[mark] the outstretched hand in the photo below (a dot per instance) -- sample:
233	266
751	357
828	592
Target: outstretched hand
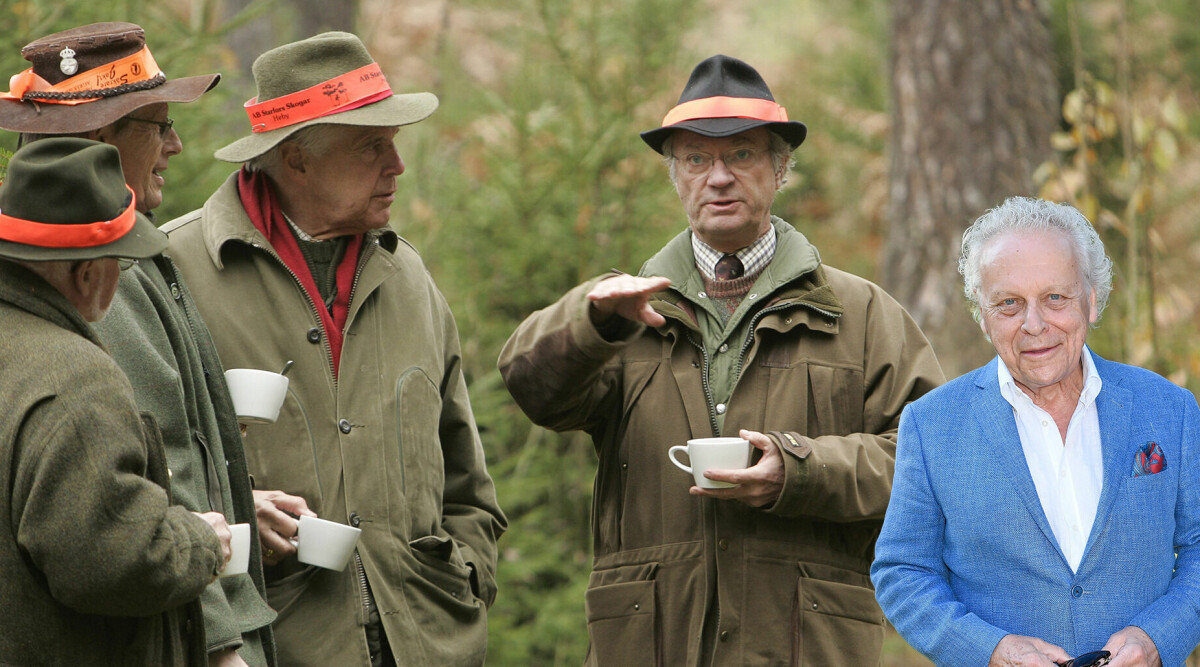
759	485
627	296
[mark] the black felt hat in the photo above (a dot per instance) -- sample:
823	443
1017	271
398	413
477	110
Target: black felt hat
65	199
723	97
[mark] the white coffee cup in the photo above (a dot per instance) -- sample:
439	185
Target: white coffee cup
326	544
257	395
239	561
712	453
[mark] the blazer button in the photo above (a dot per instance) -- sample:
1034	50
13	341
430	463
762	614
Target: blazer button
1077	592
355	519
723	544
344	426
314	335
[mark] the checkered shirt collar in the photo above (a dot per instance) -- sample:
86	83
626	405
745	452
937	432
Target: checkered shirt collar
755	257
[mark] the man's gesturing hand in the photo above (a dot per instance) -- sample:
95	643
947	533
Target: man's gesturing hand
627	296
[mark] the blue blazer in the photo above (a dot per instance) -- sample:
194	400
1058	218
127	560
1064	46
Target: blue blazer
967	556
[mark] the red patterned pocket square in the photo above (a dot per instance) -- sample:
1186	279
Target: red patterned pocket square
1149	460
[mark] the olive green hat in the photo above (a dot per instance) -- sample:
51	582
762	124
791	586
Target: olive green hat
327	79
65	199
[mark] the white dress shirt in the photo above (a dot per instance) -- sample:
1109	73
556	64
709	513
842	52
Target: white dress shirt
1068	475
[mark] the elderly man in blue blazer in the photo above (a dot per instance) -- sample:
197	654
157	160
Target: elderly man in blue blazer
1046	504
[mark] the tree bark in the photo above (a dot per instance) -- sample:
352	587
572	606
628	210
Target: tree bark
974	101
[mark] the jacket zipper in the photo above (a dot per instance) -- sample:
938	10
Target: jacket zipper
712	417
363	589
312	307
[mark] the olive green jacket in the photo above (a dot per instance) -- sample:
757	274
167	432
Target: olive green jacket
389	446
154	332
825	361
96	566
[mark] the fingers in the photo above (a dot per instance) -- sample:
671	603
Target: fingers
217	522
628	296
275	511
757	439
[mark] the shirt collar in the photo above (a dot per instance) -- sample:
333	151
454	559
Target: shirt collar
1013	393
755	257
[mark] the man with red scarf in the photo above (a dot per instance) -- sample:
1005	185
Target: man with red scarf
292	260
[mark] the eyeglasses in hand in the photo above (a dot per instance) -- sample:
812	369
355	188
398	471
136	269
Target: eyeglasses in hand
1092	659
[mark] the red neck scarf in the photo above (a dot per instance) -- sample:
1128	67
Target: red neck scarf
258	198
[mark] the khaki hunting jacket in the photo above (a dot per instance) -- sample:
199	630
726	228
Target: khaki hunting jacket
828	361
96	565
390	446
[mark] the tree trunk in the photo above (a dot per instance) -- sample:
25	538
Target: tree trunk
974	100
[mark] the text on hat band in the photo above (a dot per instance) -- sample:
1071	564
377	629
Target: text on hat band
86	86
727	107
89	235
351	90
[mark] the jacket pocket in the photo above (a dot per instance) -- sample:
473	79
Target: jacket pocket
837	623
422	466
621	621
452	622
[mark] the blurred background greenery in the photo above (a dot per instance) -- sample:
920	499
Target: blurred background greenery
531	178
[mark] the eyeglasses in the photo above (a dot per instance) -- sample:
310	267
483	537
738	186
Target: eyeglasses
124	263
738	159
1092	659
164	126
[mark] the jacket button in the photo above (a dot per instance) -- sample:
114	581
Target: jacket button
344	425
175	291
355	519
720	408
724	347
724	635
723	544
314	335
1077	592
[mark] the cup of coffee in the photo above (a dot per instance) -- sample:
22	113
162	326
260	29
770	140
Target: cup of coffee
712	453
257	395
239	561
326	544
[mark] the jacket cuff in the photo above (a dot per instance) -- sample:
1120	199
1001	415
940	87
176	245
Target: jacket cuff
793	449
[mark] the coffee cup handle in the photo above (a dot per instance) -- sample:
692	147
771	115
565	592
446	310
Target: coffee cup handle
671	455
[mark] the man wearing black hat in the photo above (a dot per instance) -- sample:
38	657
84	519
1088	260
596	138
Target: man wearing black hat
96	565
734	328
101	82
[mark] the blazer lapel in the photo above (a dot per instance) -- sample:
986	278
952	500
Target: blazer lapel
1114	407
998	425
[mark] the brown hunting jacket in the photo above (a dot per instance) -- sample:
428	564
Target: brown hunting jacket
828	360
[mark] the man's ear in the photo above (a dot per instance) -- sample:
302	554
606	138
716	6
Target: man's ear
292	157
83	276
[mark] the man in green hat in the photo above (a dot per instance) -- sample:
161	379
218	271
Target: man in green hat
736	328
292	259
101	82
97	566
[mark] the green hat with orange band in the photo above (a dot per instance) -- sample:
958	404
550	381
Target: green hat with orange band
327	79
65	199
723	97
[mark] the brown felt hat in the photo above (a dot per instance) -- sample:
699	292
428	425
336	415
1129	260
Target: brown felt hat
99	62
295	78
65	199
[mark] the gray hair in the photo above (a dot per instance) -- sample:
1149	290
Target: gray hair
316	140
1027	214
781	154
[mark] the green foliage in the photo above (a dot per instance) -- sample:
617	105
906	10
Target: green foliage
518	191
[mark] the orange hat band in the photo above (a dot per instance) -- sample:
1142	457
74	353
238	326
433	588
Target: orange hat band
727	107
351	90
86	86
90	235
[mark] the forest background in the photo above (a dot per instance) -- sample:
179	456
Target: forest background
530	178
